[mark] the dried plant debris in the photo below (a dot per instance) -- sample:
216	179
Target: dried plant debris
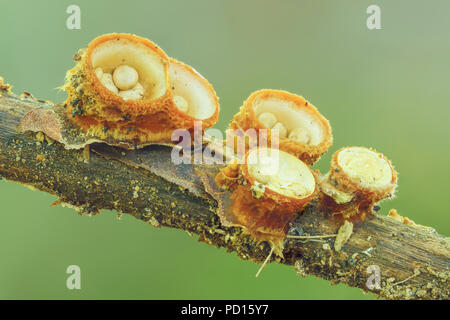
344	233
54	124
4	87
52	121
154	158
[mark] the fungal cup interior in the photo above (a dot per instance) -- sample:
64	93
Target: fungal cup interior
292	117
192	87
149	65
280	172
366	166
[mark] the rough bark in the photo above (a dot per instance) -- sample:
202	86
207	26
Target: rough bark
413	261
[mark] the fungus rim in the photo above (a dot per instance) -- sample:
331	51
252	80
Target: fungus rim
291	102
202	83
275	192
113	98
246	119
353	183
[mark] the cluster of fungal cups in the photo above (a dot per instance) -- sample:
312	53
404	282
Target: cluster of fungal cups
273	185
125	87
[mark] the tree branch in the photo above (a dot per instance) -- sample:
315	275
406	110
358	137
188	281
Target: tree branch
413	261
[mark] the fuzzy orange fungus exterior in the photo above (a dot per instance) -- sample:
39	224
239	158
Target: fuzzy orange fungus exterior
303	131
358	178
121	88
268	191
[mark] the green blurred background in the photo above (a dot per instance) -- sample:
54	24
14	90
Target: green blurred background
387	89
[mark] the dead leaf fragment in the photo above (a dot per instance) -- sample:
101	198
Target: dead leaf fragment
344	233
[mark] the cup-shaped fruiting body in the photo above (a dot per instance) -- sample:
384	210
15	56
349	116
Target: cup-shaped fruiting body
359	176
119	84
121	88
268	191
302	130
194	98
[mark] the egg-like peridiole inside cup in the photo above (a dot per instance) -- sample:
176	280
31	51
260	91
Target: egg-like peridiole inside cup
124	53
293	117
302	130
119	90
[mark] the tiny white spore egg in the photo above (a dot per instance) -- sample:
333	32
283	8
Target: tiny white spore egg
107	81
268	119
181	103
125	77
